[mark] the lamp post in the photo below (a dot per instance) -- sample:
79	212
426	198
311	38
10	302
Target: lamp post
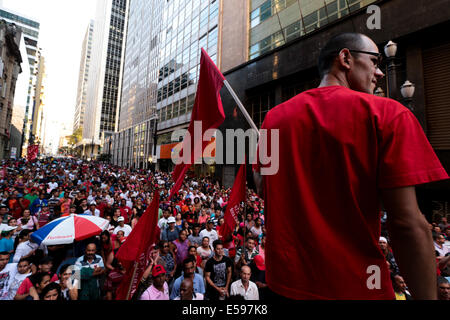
390	50
407	91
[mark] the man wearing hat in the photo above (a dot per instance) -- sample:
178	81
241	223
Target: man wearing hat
6	242
171	232
393	267
159	290
210	233
93	211
122	227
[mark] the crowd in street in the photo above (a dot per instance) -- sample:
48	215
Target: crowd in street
191	260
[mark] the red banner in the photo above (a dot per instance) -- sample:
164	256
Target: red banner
208	109
134	254
32	152
238	195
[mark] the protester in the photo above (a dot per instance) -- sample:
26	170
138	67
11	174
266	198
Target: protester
7	273
244	286
317	206
23	272
122	227
187	291
91	267
69	289
188	272
443	289
159	290
171	232
218	272
209	232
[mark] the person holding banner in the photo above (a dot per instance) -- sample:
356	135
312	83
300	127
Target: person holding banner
343	151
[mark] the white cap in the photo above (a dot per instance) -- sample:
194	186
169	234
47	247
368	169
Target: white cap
171	220
383	239
120	219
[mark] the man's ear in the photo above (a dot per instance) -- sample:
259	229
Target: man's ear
344	58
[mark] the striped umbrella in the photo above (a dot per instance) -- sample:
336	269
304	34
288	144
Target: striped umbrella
68	229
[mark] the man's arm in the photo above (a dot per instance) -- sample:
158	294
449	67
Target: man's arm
411	241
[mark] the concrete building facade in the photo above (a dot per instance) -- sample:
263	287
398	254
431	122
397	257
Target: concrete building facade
10	61
30	28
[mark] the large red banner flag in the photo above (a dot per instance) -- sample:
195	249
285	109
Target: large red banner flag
134	254
238	195
208	110
32	152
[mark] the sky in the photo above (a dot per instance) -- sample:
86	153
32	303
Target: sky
63	24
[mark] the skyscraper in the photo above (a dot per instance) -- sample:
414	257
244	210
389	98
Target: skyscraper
161	69
104	74
86	52
30	28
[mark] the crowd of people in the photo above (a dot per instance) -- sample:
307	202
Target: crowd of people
191	260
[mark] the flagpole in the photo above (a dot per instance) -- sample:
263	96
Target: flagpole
241	107
132	280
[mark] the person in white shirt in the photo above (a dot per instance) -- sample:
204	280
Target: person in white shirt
24	249
122	227
8	272
92	210
209	232
244	286
163	222
52	185
439	245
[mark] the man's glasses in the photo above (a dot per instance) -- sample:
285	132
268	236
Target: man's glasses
376	54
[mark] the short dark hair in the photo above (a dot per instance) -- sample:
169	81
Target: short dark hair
441	280
63	269
331	49
51	286
4	253
216	243
189	259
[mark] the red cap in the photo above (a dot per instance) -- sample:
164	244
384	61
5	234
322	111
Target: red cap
157	270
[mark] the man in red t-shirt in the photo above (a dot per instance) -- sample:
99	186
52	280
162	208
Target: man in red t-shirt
342	151
125	211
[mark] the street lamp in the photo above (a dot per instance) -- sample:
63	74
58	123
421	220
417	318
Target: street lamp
407	91
390	50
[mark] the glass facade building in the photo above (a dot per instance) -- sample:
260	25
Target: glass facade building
276	22
86	53
104	73
160	75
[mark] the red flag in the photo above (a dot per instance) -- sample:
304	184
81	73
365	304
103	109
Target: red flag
134	253
32	152
236	197
208	109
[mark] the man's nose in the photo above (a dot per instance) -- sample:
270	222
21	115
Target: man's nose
379	74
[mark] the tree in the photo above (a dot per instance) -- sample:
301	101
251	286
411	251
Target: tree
76	137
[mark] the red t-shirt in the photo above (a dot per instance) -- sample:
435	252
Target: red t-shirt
125	212
337	148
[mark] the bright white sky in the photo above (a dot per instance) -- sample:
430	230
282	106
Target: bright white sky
63	25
